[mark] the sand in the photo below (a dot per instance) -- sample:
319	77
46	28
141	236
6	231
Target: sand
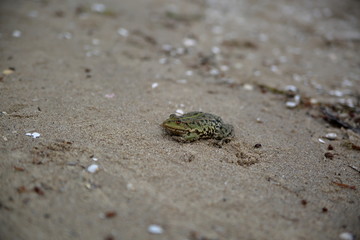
96	80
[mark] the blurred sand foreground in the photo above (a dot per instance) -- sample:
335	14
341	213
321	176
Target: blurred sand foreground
84	86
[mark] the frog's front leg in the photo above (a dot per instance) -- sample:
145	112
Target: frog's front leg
188	137
191	136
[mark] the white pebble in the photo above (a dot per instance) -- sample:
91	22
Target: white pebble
314	101
215	50
291	104
214	71
179	112
274	68
33	135
189	42
16	33
321	140
331	136
336	93
123	32
155	229
291	88
347	236
347	83
189	73
154	85
297	99
98	7
93	168
248	87
94	159
130	186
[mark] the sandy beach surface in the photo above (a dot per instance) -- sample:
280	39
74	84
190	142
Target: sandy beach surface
85	85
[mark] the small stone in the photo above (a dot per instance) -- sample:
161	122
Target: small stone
347	236
123	32
214	71
16	33
321	140
274	68
93	168
331	136
189	73
163	60
154	85
258	145
215	50
329	155
179	112
248	87
33	135
8	71
130	186
189	42
291	88
314	101
336	93
98	7
155	229
291	104
110	95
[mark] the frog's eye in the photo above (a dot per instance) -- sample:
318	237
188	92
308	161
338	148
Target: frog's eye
178	122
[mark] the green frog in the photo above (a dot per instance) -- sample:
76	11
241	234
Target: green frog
196	125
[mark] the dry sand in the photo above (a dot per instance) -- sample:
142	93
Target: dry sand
97	83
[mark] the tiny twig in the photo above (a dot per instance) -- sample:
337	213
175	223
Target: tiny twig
344	185
354	168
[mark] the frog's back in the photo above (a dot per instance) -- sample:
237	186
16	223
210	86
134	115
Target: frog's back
206	124
201	116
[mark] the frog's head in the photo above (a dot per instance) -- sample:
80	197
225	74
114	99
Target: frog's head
176	125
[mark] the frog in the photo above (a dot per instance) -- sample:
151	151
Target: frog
193	126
